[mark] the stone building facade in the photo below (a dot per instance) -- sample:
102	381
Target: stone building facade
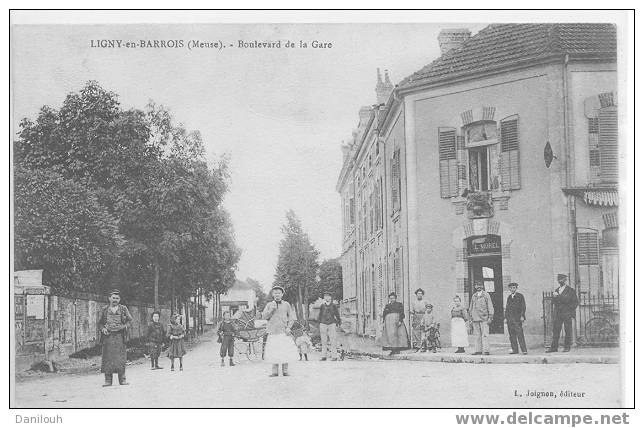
499	162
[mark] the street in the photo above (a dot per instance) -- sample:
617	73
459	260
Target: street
349	383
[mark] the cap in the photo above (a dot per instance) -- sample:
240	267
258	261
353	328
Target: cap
561	276
392	294
420	290
115	291
277	287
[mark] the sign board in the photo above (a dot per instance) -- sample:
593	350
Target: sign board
488	244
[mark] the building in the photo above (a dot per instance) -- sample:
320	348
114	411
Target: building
497	162
240	296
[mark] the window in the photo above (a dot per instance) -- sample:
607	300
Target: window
395	181
482	155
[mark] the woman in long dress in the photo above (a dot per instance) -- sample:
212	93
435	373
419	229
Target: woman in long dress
417	312
394	332
459	329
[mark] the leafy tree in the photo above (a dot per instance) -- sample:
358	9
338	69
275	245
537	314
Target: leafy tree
61	227
329	280
261	295
297	264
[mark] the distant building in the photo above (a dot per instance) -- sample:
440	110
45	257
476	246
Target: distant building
240	296
497	162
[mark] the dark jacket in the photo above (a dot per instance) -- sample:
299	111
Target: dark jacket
156	332
515	307
396	308
226	329
329	314
565	304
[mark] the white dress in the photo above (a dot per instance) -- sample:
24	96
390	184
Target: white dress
280	347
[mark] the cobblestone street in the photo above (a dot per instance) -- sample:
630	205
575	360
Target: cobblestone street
349	383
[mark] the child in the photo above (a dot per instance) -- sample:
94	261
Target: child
176	333
428	326
459	329
226	333
156	337
304	345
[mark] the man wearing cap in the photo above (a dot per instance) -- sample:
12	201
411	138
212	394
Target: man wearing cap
280	347
482	313
114	322
565	302
329	319
514	317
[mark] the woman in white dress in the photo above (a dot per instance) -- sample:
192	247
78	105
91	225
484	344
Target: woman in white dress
280	347
459	329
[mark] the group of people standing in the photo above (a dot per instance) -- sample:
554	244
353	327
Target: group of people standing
476	318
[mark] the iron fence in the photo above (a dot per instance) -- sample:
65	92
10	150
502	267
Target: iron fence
597	320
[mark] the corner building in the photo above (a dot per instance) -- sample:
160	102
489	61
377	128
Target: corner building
497	162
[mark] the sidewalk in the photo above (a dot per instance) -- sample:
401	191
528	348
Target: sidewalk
499	354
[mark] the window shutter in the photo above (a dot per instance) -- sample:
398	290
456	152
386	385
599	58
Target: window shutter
608	147
448	165
509	159
588	248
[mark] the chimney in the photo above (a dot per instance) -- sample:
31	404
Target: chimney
346	149
364	114
383	89
452	38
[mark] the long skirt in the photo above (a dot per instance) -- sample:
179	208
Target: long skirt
459	333
114	353
280	349
394	337
416	330
176	348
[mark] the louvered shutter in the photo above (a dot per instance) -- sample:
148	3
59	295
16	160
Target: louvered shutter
608	146
448	165
395	180
509	160
588	248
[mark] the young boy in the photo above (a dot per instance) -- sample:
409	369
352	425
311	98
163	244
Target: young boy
304	345
226	333
429	329
156	337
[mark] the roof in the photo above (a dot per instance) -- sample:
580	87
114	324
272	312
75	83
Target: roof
500	46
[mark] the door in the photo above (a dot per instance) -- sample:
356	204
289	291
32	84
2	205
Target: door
488	270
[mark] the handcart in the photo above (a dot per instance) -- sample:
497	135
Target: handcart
251	336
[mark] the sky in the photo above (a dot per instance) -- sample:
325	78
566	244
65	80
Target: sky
281	114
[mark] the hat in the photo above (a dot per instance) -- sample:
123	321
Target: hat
277	287
392	294
115	291
429	305
420	290
513	284
561	276
327	293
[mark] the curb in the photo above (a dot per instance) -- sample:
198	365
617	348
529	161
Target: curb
497	359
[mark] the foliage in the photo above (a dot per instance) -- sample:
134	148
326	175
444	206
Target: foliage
297	263
329	279
146	183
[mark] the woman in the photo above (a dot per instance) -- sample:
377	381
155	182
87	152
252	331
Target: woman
176	333
417	312
394	332
459	329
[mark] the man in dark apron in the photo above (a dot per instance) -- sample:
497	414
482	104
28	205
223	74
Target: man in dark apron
114	323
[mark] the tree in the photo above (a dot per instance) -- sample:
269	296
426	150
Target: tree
297	264
61	227
330	280
260	294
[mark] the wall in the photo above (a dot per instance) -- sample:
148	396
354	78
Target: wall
539	249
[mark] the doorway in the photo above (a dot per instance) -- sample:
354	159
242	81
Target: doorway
484	262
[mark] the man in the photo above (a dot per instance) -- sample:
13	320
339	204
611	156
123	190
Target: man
417	312
514	317
329	319
114	321
280	347
565	302
482	313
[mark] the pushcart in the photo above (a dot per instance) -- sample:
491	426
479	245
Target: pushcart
250	335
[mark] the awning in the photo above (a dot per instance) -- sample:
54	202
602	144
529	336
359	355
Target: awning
608	197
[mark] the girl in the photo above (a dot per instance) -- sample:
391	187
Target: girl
304	345
156	336
176	333
459	330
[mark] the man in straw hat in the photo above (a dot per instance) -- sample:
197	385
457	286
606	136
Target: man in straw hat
114	322
280	347
565	302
